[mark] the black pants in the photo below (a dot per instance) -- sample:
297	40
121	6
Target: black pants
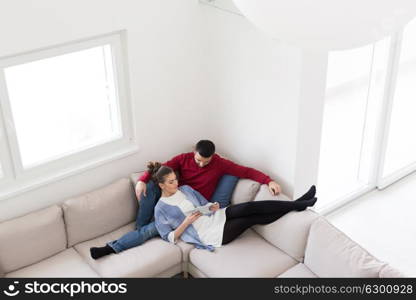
242	216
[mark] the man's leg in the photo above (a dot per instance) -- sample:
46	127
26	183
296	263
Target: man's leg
147	204
134	238
224	190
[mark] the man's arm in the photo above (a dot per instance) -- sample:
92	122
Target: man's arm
234	169
174	163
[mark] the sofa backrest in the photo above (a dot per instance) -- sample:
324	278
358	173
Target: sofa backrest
135	176
330	253
100	211
31	238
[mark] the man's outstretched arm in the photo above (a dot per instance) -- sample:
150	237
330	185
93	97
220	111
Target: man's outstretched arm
234	169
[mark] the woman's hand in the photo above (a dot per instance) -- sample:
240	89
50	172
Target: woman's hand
214	207
192	218
188	221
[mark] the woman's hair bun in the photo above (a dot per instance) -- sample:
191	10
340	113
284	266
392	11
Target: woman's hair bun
158	172
153	167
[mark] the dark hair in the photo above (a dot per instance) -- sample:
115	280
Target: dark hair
158	172
205	148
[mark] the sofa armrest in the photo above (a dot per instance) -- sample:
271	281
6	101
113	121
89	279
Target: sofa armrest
331	253
389	272
290	232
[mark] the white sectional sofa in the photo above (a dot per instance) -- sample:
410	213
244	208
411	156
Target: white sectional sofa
55	242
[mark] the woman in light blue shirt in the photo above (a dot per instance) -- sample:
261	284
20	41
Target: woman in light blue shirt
184	213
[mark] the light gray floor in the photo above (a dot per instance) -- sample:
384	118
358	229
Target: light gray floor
384	223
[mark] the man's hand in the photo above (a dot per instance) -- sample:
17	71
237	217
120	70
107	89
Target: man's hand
140	188
214	207
274	188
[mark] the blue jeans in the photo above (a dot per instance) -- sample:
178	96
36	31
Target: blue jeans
145	229
224	190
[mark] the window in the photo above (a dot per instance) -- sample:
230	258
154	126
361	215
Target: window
354	91
367	137
401	146
65	107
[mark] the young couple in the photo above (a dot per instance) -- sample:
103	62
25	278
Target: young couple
172	202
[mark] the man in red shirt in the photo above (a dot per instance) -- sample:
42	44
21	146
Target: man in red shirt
203	170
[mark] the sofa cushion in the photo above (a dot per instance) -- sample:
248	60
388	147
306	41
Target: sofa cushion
65	264
31	238
247	256
100	211
330	253
245	191
289	233
134	177
148	260
186	249
298	271
264	194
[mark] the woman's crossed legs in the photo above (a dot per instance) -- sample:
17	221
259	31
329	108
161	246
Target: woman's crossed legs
244	215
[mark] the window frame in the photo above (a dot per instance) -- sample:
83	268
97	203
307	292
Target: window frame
18	179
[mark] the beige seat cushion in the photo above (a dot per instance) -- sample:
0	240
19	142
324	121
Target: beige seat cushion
330	253
245	191
64	264
148	260
298	271
186	249
31	238
99	212
247	256
289	233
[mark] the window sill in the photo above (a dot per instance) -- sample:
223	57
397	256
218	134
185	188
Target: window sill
18	189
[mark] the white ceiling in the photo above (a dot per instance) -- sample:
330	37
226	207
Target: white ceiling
227	5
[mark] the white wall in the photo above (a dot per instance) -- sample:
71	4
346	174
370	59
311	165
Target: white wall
195	72
256	83
166	60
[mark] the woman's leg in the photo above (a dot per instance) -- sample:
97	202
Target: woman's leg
268	207
234	227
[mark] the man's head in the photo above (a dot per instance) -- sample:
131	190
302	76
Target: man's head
204	150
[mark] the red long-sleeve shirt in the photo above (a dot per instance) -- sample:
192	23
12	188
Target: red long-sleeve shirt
205	179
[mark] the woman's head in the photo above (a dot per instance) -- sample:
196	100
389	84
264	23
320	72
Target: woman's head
164	176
